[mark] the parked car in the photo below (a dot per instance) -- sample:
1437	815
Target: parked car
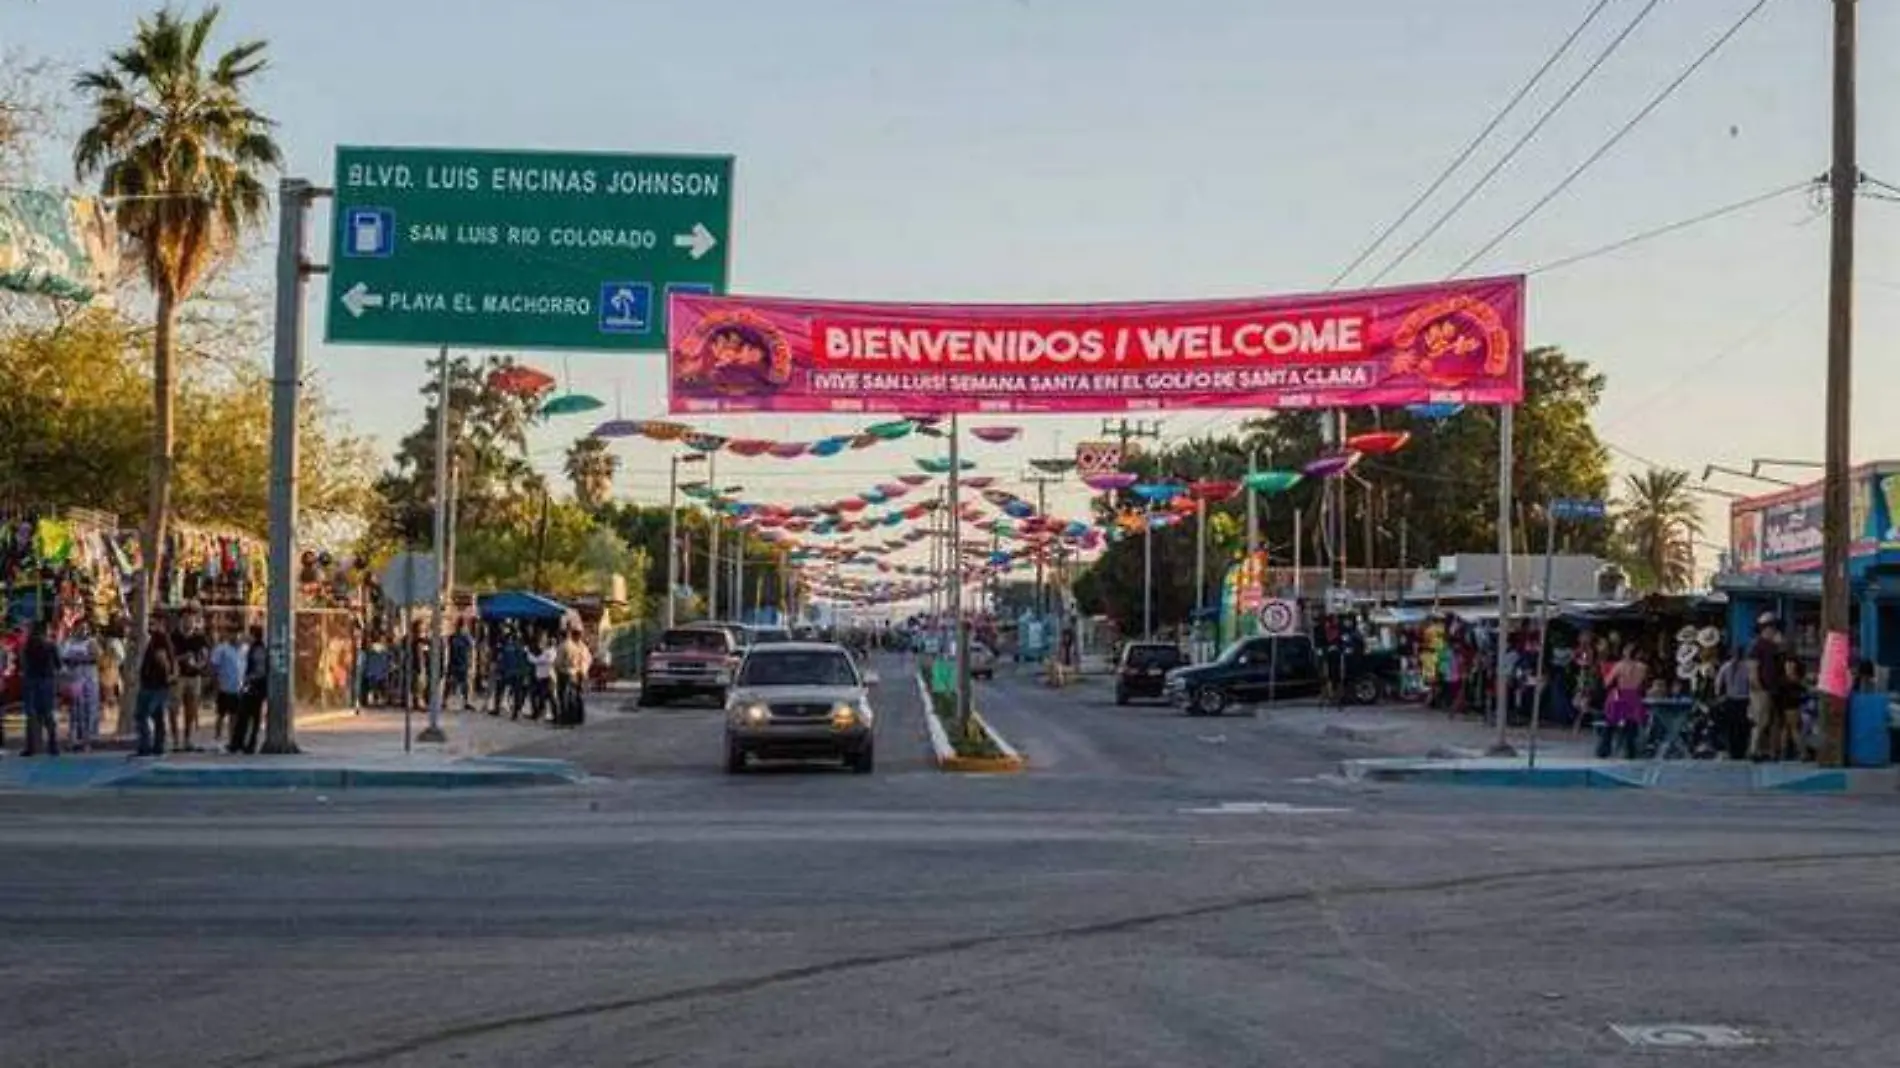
800	700
1143	670
1282	668
982	659
689	661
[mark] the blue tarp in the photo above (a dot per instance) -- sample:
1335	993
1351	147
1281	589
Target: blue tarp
519	604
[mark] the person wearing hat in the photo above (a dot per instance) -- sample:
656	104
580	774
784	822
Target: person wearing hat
1765	679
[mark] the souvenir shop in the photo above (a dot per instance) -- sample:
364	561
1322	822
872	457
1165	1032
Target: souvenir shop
64	565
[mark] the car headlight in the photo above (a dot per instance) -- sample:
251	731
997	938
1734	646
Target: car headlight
845	715
752	713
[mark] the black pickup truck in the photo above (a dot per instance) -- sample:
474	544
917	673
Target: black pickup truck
1255	670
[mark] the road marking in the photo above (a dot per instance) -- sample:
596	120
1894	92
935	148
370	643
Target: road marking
1685	1036
1263	808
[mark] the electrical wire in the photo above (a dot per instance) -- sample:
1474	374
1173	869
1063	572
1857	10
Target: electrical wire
1661	231
1471	146
1524	139
1603	149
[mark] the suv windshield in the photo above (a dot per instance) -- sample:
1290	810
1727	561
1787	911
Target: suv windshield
693	641
768	635
801	667
1149	656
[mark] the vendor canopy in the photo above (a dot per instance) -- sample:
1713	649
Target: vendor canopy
1454	343
519	605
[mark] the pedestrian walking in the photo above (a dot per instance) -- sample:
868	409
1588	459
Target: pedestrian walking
1624	712
1765	678
256	690
227	672
39	690
80	654
541	656
192	652
1731	712
461	667
571	663
517	675
158	673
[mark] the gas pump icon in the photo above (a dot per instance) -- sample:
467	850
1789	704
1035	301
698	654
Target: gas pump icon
371	233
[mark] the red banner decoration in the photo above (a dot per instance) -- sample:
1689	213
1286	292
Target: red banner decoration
1454	343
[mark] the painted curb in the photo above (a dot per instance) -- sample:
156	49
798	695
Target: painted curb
1672	776
472	773
945	755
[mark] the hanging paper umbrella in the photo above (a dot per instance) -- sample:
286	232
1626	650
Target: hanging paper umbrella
1378	442
805	511
1433	411
933	465
617	428
749	447
995	435
699	491
829	446
1183	505
1331	466
570	404
1019	509
978	482
1158	491
915	511
891	519
1053	467
1212	489
659	430
893	489
891	431
1110	481
913	480
699	442
874	496
1272	481
865	441
789	450
1076	529
519	380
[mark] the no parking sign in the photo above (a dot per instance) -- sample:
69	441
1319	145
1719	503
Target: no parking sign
1279	616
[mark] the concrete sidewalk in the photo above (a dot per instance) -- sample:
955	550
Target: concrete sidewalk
1412	730
339	750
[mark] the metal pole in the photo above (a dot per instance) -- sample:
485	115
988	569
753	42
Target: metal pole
1843	183
438	684
1042	509
1148	572
1253	518
1543	627
672	540
402	647
955	571
293	201
1501	685
1200	564
1299	537
712	539
738	572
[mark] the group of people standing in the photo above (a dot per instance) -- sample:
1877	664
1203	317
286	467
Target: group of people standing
182	667
545	675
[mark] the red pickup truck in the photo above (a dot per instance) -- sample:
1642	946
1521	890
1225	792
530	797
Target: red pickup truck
689	661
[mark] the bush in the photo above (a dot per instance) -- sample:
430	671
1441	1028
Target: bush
973	741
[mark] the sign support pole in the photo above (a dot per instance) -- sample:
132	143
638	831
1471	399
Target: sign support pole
280	631
712	538
1500	684
438	682
954	571
1543	628
1148	572
672	539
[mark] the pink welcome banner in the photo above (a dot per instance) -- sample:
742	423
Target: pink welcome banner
1456	343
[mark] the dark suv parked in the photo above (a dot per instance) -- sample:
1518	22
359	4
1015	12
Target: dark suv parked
1143	671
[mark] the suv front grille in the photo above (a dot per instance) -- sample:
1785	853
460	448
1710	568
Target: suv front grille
802	710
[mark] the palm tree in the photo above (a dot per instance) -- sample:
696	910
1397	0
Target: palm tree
1657	524
591	468
173	142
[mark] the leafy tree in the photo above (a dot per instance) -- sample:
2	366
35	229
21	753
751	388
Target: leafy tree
591	467
1657	523
172	135
496	486
74	399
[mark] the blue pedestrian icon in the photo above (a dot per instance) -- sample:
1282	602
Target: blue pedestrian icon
626	307
369	233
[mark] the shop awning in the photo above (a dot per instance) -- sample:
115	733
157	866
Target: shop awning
519	604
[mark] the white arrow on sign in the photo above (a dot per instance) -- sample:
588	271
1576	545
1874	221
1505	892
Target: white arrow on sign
698	242
358	299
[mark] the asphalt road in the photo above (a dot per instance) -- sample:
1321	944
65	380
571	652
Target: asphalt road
1159	891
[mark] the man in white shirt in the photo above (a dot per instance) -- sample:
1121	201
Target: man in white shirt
227	670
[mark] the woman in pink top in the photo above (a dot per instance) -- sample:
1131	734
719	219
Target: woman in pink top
1623	710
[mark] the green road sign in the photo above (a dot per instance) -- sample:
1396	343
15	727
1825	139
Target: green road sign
522	250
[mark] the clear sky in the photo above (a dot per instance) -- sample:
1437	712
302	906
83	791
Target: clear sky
1051	150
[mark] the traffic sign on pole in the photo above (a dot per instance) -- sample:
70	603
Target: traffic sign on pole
1578	509
522	250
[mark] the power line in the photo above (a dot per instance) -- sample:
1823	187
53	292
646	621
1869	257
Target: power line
1603	149
1510	154
1472	146
1660	231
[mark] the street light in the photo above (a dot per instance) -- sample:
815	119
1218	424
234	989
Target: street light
672	531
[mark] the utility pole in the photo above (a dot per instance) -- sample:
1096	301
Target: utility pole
1843	180
712	538
672	538
1124	432
955	572
1042	482
438	682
